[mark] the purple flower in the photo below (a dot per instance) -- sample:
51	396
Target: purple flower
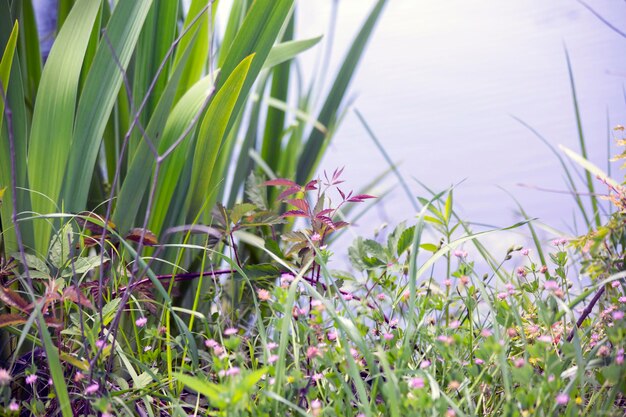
13	406
272	359
618	315
551	285
460	254
416	383
31	379
425	364
525	251
141	322
479	361
562	398
231	331
92	389
388	336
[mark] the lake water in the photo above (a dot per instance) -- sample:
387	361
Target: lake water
440	81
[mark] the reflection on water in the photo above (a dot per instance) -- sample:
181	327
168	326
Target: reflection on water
440	82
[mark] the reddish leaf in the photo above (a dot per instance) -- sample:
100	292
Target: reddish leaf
289	191
311	185
93	222
359	198
11	320
281	182
149	238
295	213
13	299
324	212
77	297
327	221
343	196
300	203
339	225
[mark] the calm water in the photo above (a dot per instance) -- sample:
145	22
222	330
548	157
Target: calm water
438	85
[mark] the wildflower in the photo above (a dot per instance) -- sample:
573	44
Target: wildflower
618	315
445	339
14	406
263	294
454	385
218	350
231	331
551	285
562	398
619	358
604	351
543	269
519	362
347	296
464	279
615	284
450	413
286	280
521	271
416	383
92	389
393	323
381	297
272	359
140	322
31	379
447	283
479	361
106	414
511	332
272	345
316	407
525	251
210	343
406	295
622	300
388	336
229	372
510	288
502	295
485	333
460	254
79	376
317	376
147	348
5	377
455	324
318	305
551	378
100	343
544	338
425	364
312	352
315	237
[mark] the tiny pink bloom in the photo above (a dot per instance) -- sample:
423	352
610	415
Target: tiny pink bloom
31	379
272	345
388	336
348	296
562	399
618	315
455	324
13	406
622	299
521	271
105	414
525	251
450	413
416	383
393	323
312	352
461	254
272	359
464	279
92	389
445	339
231	331
551	285
332	335
619	358
519	362
210	343
140	322
381	297
615	284
545	338
485	333
447	283
316	404
317	376
503	295
316	237
5	377
479	361
425	364
551	378
100	343
543	269
263	294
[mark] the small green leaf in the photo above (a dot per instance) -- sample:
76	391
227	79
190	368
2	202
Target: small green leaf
406	239
213	392
60	246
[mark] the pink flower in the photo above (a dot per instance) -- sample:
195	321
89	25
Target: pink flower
622	299
229	372
13	406
312	352
210	343
543	269
445	339
447	283
231	331
31	379
263	294
347	296
425	364
545	339
525	251
479	361
381	297
100	343
615	284
464	279
140	322
92	389
272	345
619	358
519	362
618	315
416	383
503	295
485	333
551	285
315	237
455	324
521	271
562	398
332	335
460	254
388	336
5	377
272	359
316	404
